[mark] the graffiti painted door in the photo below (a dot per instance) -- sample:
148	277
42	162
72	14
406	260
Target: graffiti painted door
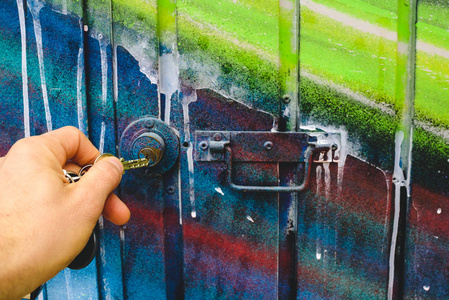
292	131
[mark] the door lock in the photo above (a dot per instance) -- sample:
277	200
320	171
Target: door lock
152	139
149	145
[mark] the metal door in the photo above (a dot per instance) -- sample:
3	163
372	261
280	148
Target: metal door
256	98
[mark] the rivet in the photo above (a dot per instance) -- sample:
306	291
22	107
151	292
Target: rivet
170	189
150	124
204	145
217	137
268	145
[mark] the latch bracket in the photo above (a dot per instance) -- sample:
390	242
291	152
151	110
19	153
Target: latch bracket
261	146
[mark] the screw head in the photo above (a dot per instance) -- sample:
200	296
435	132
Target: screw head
149	124
217	137
170	189
204	145
286	99
268	145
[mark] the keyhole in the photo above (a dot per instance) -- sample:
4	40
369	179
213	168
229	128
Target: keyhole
152	154
151	146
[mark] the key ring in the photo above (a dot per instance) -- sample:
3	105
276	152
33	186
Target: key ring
71	176
84	170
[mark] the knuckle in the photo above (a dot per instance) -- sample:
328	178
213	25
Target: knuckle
71	129
26	146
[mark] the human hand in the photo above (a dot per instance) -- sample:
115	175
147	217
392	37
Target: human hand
45	220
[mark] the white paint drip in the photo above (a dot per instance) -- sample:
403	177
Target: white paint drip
104	87
114	74
286	112
191	180
102	136
26	103
399	181
35	7
169	79
103	260
122	233
79	87
318	255
319	180
250	219
219	190
64	7
327	179
186	100
342	152
68	281
104	71
180	196
291	228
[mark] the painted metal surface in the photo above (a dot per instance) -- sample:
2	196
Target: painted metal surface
370	224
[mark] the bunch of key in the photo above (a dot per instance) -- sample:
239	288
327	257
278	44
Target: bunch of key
127	165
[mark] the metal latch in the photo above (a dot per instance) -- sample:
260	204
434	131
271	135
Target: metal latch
257	146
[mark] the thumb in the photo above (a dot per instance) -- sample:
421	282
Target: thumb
101	179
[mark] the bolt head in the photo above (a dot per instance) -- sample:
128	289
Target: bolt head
204	145
149	124
286	99
268	145
170	190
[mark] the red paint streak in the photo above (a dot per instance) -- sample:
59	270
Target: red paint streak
256	254
366	190
145	217
430	212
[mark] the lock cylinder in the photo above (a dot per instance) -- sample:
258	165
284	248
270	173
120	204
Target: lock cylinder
149	145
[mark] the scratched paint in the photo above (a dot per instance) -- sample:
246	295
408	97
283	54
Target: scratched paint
224	68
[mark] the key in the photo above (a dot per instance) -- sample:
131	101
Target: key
134	164
150	159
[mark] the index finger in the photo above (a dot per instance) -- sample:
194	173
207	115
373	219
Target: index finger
69	143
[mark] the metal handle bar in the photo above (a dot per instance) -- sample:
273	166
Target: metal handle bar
275	189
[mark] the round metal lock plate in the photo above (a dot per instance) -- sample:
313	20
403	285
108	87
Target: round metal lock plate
150	136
